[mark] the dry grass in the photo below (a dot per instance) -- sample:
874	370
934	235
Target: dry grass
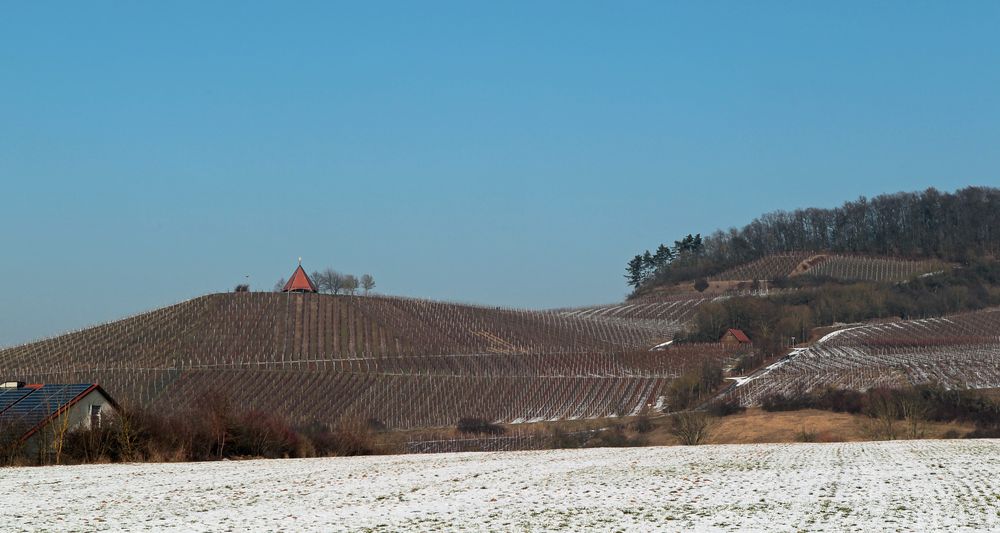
759	426
752	426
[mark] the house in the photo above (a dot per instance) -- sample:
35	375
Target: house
299	282
734	337
37	416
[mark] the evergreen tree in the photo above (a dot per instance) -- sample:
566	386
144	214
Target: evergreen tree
634	271
648	265
663	256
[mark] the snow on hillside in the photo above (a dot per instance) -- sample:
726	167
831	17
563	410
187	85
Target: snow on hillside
880	486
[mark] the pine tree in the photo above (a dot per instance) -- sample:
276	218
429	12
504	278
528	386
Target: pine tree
663	256
634	271
648	265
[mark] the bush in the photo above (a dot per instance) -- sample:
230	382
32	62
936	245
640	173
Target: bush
983	433
560	439
690	427
727	407
780	402
479	426
613	437
694	385
951	434
840	401
12	451
642	424
804	435
348	438
260	434
700	284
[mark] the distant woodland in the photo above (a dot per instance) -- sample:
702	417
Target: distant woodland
958	227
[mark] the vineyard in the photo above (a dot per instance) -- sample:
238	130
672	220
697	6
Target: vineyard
837	266
858	268
765	268
957	351
662	316
404	363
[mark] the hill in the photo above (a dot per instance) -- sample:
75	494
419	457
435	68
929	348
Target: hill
392	362
921	226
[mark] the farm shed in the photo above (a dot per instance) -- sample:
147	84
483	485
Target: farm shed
37	416
735	337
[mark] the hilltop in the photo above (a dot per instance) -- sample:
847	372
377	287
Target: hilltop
886	238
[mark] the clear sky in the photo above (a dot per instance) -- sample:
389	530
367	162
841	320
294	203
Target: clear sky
493	152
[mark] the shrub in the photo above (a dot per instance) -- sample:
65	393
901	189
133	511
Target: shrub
260	434
479	426
560	439
780	402
727	407
840	401
690	387
690	427
804	435
951	434
642	424
349	438
613	437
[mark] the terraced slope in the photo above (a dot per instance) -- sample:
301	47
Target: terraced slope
857	268
406	363
765	268
837	266
657	317
956	351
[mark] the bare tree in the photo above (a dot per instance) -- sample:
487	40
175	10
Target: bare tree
334	280
884	410
367	283
350	284
915	412
691	427
280	285
328	281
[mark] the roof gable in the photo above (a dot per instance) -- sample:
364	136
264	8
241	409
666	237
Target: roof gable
299	282
30	407
739	335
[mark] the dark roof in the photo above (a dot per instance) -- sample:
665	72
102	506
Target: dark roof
30	407
299	282
740	336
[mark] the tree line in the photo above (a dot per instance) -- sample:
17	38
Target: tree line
644	266
955	226
330	281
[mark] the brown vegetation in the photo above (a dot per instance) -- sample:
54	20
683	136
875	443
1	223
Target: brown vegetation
402	362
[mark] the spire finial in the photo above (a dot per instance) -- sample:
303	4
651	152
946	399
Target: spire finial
300	261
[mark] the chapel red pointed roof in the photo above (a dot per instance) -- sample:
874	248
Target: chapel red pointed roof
299	282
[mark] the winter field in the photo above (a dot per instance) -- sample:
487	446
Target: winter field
875	486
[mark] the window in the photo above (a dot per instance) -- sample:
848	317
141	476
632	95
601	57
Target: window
95	416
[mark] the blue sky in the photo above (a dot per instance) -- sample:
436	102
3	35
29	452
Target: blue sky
500	153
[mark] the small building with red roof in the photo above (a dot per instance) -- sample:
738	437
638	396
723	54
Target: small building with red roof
299	282
735	336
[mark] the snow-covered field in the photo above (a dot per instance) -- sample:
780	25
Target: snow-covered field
882	486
